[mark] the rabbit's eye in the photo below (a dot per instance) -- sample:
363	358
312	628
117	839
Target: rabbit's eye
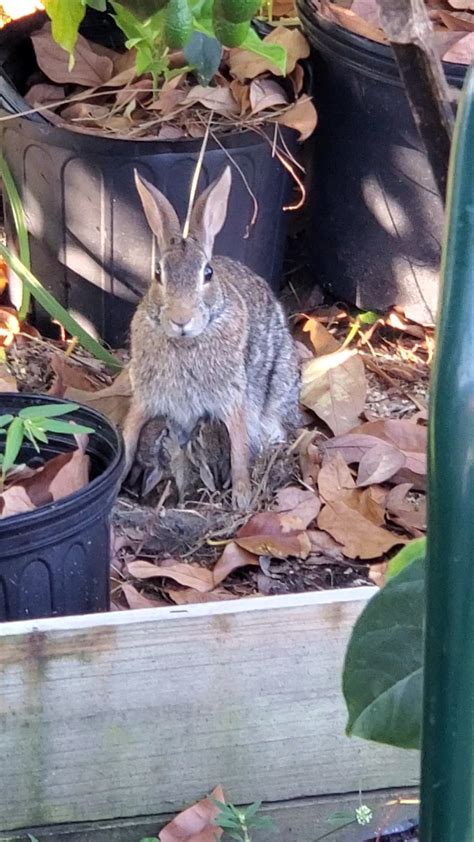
208	273
158	274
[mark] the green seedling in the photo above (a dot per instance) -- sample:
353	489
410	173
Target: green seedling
34	423
239	822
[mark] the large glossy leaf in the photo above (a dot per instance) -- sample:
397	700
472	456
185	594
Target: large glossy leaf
382	680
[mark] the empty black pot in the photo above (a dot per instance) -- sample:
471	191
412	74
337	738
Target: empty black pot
90	243
375	218
55	560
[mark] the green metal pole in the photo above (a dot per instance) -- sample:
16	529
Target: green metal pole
447	788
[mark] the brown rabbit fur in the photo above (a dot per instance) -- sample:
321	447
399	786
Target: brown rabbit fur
209	339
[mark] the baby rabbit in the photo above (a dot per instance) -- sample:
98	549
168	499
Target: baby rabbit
209	339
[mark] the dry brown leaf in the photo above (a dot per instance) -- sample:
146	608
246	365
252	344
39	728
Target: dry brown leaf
185	574
190	596
410	438
85	111
379	464
62	475
378	573
273	534
334	385
299	502
170	132
7	380
113	401
15	501
353	22
466	5
231	559
219	100
168	102
323	544
69	374
352	447
9	325
44	94
308	456
241	94
90	69
246	65
196	824
335	479
462	52
135	599
409	514
302	116
66	478
264	94
358	537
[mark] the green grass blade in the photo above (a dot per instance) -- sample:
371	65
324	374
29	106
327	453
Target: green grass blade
57	311
69	428
21	230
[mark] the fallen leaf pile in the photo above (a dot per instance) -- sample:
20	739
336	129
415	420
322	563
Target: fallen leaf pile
103	95
329	508
452	21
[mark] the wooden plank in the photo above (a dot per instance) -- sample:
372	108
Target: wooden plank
299	820
135	713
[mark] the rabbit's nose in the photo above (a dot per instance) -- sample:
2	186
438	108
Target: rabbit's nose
180	324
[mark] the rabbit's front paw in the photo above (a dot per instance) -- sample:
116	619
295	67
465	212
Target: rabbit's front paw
241	495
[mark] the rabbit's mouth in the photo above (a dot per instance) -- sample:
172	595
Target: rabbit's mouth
184	329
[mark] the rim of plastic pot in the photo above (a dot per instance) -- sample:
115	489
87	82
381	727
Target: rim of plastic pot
353	48
95	488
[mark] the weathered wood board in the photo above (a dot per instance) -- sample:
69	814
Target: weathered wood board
298	820
136	713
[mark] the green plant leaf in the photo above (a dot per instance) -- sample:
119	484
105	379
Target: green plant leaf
142	9
66	15
204	54
36	431
13	444
382	678
69	428
57	311
53	410
368	318
414	550
98	5
21	230
5	419
272	52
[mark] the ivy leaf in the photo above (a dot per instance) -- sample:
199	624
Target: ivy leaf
382	678
204	54
66	15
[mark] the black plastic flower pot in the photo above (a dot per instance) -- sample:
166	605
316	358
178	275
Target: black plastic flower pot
55	560
374	215
90	243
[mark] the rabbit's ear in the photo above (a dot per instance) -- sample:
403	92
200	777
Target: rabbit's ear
210	211
160	213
